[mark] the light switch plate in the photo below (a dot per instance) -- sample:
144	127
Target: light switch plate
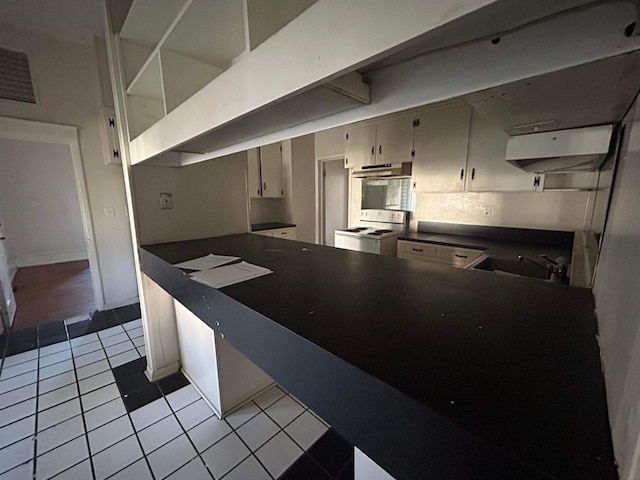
166	201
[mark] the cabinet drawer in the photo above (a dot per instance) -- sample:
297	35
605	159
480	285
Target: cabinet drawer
456	256
266	233
417	250
289	232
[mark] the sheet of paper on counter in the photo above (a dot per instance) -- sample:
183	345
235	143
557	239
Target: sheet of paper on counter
229	274
206	262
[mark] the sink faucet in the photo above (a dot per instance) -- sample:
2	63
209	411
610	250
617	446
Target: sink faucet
557	268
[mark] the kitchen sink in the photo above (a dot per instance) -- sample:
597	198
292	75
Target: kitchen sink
513	267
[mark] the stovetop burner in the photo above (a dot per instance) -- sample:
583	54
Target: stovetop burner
380	232
356	229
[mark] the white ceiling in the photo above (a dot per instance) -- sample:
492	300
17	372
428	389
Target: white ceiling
592	94
72	20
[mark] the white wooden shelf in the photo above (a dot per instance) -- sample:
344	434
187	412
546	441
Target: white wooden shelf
148	20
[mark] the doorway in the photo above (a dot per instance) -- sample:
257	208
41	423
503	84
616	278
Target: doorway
334	201
49	251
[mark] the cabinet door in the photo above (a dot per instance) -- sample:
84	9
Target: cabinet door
440	143
394	140
359	146
271	169
488	171
253	165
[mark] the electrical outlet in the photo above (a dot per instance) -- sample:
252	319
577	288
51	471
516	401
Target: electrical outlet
166	201
487	211
109	212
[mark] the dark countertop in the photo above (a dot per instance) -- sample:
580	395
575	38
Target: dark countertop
257	227
492	247
432	371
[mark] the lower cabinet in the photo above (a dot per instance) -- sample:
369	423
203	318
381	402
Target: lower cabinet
224	377
458	257
287	233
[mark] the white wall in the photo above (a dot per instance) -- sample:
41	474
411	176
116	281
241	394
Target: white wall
68	90
209	200
40	203
618	306
540	210
303	168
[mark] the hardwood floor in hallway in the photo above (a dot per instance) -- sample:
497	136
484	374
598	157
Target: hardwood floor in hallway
48	293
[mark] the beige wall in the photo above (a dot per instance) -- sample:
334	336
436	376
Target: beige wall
209	200
618	306
540	210
69	92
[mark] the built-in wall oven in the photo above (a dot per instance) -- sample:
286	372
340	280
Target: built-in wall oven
377	232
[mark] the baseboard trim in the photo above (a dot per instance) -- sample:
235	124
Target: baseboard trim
50	258
157	374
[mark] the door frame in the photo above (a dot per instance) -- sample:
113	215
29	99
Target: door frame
320	224
32	131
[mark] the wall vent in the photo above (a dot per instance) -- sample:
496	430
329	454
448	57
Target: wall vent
15	77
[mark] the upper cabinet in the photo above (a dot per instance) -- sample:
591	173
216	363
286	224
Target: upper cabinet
386	141
265	171
360	146
487	169
271	170
441	140
457	150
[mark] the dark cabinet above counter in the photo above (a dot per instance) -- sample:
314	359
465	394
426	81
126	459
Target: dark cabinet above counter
473	376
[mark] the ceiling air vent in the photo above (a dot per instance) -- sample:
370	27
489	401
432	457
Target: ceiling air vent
15	77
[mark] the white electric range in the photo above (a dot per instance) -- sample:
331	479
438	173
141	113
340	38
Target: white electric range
377	232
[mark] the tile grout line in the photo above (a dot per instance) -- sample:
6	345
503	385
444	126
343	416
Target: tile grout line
186	434
35	433
128	414
84	422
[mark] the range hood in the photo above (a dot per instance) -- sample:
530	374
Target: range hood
384	170
573	150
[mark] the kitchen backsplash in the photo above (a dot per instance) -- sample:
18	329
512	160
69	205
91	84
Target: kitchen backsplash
540	210
267	210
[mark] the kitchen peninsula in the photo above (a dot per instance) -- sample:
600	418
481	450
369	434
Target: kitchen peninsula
431	371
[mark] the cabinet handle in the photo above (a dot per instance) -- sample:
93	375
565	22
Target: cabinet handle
373	150
380	150
346	161
460	256
264	187
461	174
473	173
416	249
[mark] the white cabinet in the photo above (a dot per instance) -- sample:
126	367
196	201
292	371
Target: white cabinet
288	233
458	257
387	141
271	170
441	138
487	169
457	151
253	167
360	146
265	171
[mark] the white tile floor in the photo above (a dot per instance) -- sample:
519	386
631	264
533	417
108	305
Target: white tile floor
61	416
